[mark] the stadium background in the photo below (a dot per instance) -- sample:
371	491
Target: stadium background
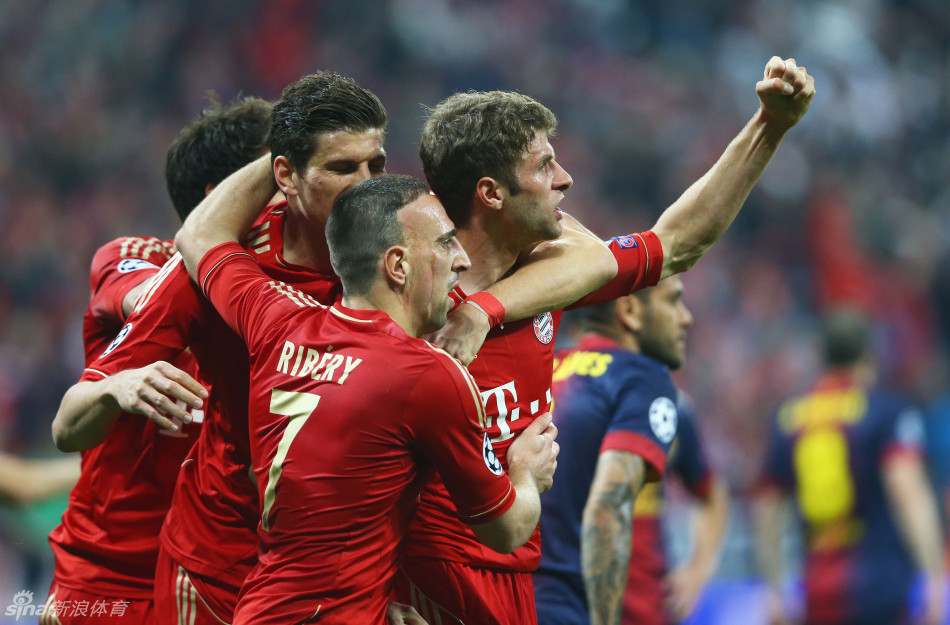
853	209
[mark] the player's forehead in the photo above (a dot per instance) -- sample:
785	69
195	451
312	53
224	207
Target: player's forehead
351	145
670	289
539	147
425	218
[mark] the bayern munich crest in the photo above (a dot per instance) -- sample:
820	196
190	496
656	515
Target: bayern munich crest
544	327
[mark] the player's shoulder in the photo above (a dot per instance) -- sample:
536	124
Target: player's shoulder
147	249
441	370
171	289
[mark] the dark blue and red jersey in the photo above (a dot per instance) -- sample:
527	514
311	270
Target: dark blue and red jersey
646	591
605	397
828	449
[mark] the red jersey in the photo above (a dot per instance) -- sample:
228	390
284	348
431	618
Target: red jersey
513	371
211	523
338	490
117	267
107	541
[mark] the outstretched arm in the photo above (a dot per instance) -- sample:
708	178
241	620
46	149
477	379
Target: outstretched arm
227	212
689	227
607	532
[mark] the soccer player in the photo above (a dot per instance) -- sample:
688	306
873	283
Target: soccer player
656	595
349	410
850	455
489	159
327	136
107	543
620	413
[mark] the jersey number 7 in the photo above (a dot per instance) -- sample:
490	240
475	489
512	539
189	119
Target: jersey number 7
297	407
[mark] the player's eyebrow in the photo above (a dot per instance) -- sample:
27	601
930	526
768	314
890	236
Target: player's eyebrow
547	158
448	236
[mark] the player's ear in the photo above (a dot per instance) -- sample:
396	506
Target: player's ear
285	175
629	310
209	188
490	193
396	266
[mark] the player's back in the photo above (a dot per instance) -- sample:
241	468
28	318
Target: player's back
829	449
335	397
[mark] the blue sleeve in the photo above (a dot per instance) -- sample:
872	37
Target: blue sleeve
689	460
645	419
777	468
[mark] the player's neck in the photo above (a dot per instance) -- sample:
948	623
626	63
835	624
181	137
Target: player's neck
491	252
387	301
305	242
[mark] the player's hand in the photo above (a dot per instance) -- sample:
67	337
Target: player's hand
684	587
462	336
785	92
401	614
536	451
155	390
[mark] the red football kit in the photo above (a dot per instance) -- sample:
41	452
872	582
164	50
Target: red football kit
209	539
348	417
447	573
107	542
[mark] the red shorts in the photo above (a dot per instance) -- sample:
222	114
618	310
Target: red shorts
66	606
185	598
453	593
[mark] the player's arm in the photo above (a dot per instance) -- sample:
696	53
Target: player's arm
709	526
128	301
770	514
227	212
698	218
532	460
549	276
25	481
90	407
912	502
607	532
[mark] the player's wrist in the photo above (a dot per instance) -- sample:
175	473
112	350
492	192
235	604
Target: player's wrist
489	305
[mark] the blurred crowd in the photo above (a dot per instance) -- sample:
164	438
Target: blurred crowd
852	210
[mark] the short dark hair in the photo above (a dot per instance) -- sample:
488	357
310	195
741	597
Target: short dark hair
221	140
845	338
471	135
364	223
318	103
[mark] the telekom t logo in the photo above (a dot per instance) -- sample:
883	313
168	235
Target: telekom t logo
503	401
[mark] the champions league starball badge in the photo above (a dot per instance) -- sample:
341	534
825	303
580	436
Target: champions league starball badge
544	327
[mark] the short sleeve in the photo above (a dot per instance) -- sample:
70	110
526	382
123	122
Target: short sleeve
645	420
639	264
904	434
245	297
689	460
777	470
117	268
165	319
446	418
